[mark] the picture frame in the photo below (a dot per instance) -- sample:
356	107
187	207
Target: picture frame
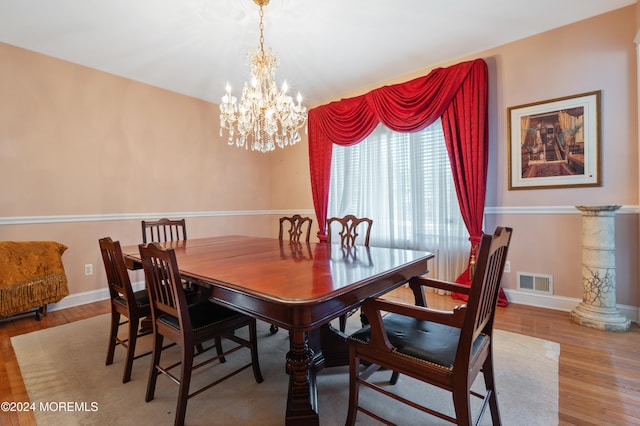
555	143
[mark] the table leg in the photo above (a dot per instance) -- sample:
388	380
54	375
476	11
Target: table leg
302	401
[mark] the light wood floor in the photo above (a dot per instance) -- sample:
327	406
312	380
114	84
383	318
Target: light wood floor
599	372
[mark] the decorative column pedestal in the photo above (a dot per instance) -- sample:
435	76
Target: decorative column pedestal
598	308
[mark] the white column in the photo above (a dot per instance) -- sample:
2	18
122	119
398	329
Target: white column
598	308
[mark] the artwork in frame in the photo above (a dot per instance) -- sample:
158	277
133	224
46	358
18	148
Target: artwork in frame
555	143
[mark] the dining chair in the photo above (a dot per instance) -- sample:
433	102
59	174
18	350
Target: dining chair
351	227
352	230
295	227
447	349
124	302
189	326
164	230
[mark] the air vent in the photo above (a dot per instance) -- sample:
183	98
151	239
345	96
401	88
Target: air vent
539	283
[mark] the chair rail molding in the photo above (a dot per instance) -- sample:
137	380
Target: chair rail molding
540	210
28	220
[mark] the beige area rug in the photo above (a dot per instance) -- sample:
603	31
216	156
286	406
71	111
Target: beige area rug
66	379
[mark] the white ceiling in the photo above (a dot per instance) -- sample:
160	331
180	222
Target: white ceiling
327	48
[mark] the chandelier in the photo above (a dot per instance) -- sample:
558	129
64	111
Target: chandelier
266	116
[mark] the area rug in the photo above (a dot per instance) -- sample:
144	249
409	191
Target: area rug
67	382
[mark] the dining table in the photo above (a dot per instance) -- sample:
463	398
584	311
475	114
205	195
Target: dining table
297	286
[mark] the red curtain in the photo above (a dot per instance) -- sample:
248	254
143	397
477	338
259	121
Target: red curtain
458	94
465	126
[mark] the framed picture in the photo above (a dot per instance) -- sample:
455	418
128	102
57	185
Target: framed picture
555	143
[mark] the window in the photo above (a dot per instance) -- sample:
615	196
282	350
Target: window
403	182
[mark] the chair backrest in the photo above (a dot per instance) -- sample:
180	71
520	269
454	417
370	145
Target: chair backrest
163	230
162	277
117	274
483	295
298	226
350	225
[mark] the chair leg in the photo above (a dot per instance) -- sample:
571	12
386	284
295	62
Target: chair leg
363	319
394	378
185	381
343	322
134	324
219	350
199	348
253	339
487	372
461	405
113	333
354	367
155	360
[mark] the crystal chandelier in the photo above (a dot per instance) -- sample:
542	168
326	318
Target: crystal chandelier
266	116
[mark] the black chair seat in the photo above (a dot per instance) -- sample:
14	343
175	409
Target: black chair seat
203	315
429	341
141	296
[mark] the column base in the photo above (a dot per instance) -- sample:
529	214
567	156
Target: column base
607	319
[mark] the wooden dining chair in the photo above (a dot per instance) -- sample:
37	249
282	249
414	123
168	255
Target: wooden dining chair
352	230
189	326
134	306
447	349
295	227
164	230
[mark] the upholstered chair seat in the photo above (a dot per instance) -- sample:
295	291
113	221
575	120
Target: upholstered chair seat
434	343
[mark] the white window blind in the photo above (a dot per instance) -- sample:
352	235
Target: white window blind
403	182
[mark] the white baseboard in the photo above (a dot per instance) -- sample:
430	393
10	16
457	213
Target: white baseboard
77	299
558	303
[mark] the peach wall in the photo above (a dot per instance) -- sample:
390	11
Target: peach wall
595	54
75	141
80	141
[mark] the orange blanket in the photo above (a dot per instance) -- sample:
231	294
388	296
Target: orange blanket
31	275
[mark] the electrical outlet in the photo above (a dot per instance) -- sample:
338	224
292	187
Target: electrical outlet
507	266
88	269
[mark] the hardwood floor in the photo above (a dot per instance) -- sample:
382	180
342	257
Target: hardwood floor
11	385
599	372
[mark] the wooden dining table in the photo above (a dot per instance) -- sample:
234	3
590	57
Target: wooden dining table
299	287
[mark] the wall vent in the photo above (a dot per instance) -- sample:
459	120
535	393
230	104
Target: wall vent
539	283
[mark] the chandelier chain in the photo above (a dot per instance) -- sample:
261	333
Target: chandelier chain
261	31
